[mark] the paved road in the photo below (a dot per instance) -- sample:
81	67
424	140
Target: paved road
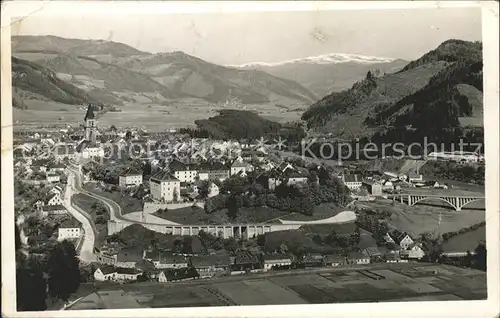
87	250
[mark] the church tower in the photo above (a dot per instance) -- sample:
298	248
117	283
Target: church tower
90	125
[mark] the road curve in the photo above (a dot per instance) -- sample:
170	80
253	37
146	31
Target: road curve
87	249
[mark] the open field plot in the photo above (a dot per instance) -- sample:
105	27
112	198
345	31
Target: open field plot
258	292
127	203
422	218
334	286
196	215
465	241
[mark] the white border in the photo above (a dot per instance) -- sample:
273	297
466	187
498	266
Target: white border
487	308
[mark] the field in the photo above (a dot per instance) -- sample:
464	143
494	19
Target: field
400	282
465	241
153	117
425	217
264	214
195	215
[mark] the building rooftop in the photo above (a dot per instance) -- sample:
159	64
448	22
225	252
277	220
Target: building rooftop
130	172
164	175
90	112
129	255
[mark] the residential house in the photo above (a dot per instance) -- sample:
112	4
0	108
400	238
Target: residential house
352	181
388	238
130	178
213	171
245	260
129	257
415	177
56	190
394	258
183	172
372	252
358	258
56	167
53	199
404	241
251	155
104	273
168	260
52	177
271	260
164	186
69	229
240	167
207	264
109	273
313	260
284	166
388	185
40	165
334	260
415	252
51	210
295	177
373	187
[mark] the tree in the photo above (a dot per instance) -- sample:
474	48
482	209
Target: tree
480	257
261	240
317	239
232	207
63	270
30	288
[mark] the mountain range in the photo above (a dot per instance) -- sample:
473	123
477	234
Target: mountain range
442	91
116	73
324	74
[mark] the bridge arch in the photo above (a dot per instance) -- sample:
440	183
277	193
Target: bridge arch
439	198
471	200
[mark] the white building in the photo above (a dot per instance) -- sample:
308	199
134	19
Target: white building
52	177
459	156
164	186
105	273
352	181
166	261
276	260
183	172
92	152
69	230
405	241
53	199
130	178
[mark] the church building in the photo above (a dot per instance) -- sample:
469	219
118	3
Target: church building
89	146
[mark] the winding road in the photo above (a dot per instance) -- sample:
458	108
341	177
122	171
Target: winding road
87	249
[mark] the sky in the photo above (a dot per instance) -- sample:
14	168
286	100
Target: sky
237	38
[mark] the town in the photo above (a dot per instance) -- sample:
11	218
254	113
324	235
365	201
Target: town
187	211
202	160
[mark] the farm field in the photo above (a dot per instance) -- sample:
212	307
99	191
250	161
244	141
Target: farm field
152	117
400	282
424	217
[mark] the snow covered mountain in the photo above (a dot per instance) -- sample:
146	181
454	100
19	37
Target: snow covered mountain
333	58
327	73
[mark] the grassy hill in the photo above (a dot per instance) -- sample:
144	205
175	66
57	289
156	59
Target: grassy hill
323	79
195	77
30	80
238	124
433	92
75	47
117	73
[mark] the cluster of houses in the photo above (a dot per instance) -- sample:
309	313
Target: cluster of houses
463	157
378	184
125	263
